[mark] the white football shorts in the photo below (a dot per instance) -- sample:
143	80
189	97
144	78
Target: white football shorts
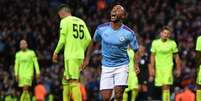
113	76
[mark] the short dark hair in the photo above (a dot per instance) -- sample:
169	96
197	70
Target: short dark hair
63	6
167	28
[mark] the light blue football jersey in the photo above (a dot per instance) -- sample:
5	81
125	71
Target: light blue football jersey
114	44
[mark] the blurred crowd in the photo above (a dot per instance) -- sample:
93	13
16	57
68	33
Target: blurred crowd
36	21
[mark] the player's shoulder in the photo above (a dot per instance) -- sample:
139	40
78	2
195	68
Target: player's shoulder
64	19
69	19
199	38
172	41
18	53
74	18
107	24
127	29
156	41
31	51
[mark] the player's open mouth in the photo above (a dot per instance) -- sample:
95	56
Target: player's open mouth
113	16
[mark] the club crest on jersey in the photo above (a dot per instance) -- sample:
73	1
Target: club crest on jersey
122	38
106	35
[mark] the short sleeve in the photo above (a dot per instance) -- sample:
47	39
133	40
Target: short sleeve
133	42
174	47
153	47
16	57
88	35
97	35
63	26
33	54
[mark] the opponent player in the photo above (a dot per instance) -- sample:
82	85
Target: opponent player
114	37
163	51
198	65
74	35
132	79
25	61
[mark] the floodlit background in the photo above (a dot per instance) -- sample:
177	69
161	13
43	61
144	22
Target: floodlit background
37	21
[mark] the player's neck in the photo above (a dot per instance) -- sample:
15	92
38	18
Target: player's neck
164	40
66	15
116	25
24	50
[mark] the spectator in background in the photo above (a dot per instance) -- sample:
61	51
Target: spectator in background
186	94
40	92
101	5
35	20
83	92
